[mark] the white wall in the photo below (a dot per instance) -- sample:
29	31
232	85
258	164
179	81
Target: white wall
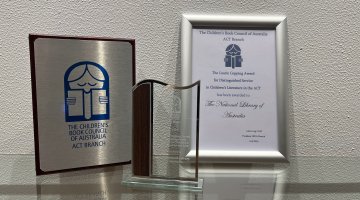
324	51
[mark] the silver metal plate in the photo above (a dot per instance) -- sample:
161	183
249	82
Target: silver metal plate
84	102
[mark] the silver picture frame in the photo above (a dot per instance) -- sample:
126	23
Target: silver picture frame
277	23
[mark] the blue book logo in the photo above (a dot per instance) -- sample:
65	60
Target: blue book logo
233	56
86	86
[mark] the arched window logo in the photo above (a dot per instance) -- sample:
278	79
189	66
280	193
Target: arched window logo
233	56
86	87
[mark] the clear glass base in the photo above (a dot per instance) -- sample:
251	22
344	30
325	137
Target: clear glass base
148	182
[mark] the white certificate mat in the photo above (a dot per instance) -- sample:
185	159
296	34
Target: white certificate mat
242	65
237	69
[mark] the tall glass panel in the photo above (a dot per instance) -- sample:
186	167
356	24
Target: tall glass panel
173	136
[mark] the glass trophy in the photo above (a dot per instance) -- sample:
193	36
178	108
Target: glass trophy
165	136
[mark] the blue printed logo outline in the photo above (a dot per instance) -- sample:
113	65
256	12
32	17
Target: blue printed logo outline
233	56
102	99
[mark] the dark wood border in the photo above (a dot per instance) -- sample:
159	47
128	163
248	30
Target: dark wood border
32	38
141	130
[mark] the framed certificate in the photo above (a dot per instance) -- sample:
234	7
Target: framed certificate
242	64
